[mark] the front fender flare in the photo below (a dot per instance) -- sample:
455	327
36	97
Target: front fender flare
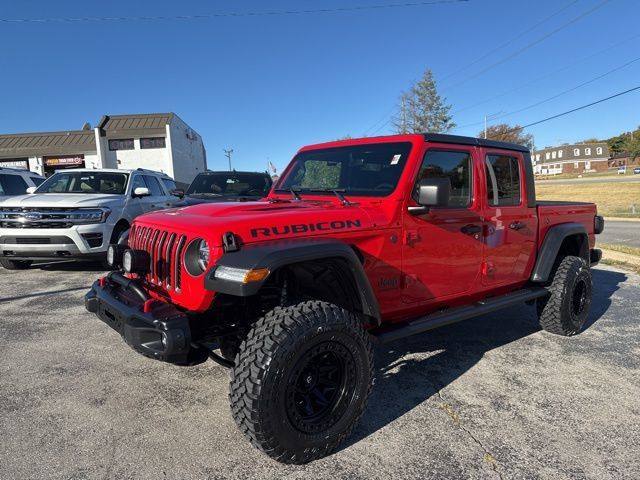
277	254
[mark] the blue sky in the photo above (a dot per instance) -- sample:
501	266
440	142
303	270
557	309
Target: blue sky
266	85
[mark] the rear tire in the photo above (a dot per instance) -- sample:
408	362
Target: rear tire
301	381
567	307
15	264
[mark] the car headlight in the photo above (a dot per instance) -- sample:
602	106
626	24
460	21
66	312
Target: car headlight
203	255
89	215
197	256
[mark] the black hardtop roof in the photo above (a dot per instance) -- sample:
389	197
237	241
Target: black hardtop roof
477	142
227	172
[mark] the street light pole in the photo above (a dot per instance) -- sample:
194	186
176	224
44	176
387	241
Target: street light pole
228	153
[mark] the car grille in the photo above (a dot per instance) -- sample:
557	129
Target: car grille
40	217
165	250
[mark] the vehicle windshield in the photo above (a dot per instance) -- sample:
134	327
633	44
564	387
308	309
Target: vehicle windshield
357	170
85	182
230	184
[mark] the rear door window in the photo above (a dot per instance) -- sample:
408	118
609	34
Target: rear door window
12	185
503	181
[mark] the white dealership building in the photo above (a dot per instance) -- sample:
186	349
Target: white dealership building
155	141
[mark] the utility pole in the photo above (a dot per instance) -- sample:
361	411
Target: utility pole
485	126
228	153
489	117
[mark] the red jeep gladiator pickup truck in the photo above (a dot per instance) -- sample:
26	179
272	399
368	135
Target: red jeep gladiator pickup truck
359	242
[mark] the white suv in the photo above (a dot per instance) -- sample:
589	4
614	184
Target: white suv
14	181
76	213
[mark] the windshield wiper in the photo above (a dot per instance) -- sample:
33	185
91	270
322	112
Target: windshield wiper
338	193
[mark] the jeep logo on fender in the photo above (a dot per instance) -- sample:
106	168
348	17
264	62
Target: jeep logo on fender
305	228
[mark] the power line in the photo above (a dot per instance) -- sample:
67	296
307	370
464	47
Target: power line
620	67
232	14
547	75
511	41
575	109
530	45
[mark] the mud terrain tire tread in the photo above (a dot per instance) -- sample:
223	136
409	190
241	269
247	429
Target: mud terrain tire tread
269	345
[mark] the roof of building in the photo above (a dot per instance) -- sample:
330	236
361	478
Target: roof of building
573	145
136	124
48	143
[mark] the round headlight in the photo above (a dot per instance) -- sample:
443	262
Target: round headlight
111	255
203	255
127	261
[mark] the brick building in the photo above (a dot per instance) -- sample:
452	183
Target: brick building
579	158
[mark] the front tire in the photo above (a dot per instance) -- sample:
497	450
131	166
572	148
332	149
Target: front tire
301	381
15	264
567	308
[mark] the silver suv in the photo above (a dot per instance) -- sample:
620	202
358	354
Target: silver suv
76	213
14	181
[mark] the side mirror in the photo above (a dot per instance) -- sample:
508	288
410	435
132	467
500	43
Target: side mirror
31	190
432	192
141	192
178	192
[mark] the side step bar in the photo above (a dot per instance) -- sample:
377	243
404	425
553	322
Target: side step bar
435	320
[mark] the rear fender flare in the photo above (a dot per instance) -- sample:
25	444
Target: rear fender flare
551	245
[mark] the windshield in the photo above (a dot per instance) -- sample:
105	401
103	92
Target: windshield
85	182
366	170
223	184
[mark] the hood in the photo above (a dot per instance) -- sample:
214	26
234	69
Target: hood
48	200
261	221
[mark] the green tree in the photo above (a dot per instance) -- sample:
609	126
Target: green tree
422	109
509	133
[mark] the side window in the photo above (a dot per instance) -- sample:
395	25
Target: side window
137	182
12	185
169	184
37	180
154	186
453	164
503	180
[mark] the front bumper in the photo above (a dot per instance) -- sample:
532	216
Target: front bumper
80	241
153	328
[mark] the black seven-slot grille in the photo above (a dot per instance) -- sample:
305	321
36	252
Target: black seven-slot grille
165	250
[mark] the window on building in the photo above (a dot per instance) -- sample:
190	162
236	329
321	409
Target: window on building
503	180
553	154
121	144
576	152
154	142
559	153
12	185
599	150
576	164
453	164
587	151
547	156
538	157
154	186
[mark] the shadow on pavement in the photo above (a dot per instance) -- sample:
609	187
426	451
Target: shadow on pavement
42	294
403	383
69	266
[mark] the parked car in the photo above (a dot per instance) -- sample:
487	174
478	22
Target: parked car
622	170
636	170
360	240
212	187
15	181
76	213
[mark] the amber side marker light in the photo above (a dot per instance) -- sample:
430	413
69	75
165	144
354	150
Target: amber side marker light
241	275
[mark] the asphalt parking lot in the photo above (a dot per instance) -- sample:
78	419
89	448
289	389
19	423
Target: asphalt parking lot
493	397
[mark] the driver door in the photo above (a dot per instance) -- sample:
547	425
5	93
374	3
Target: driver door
442	249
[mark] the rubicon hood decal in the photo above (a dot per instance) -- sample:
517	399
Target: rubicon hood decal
305	228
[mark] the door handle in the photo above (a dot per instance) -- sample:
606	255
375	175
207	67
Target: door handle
471	229
517	226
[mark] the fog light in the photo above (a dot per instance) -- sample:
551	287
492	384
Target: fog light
111	255
127	261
